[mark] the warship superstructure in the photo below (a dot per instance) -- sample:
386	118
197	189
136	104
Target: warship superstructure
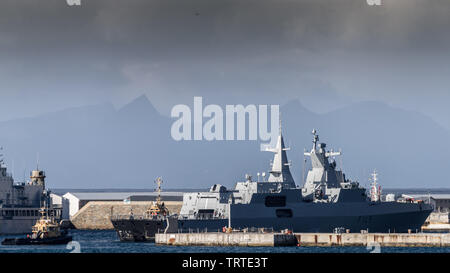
328	201
20	202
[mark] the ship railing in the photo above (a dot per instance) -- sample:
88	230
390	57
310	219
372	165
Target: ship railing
129	216
198	217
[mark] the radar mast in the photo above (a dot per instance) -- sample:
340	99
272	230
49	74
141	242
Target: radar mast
280	171
158	183
375	189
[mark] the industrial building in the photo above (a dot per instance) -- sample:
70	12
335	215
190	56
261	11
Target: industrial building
440	201
60	201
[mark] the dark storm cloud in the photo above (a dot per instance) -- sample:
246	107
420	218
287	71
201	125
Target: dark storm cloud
232	50
137	28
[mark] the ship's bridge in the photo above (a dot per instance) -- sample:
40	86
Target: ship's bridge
324	182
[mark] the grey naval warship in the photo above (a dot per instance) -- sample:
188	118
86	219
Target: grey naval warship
20	203
327	202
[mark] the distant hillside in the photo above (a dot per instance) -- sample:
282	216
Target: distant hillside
101	147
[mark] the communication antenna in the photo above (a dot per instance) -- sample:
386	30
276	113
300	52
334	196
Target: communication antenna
158	182
315	139
37	161
264	176
303	166
257	174
248	177
375	189
1	156
341	165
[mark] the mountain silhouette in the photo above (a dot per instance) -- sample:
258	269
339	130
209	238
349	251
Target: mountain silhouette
101	147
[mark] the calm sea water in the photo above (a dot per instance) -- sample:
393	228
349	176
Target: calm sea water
108	242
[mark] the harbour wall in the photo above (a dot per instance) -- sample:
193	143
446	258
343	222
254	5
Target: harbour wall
97	214
381	239
305	239
226	239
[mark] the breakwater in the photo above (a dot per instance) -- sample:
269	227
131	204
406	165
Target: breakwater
97	214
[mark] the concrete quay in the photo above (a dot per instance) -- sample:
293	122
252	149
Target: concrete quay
305	239
381	239
226	239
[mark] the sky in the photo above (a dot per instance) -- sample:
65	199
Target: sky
327	54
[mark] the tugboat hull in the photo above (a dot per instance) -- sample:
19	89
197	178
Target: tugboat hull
143	230
138	230
29	241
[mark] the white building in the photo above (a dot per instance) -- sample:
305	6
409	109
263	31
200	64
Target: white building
60	201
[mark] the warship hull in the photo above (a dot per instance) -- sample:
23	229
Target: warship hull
399	223
401	218
143	229
138	230
16	226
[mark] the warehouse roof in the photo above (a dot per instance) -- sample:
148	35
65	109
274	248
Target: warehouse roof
433	195
117	195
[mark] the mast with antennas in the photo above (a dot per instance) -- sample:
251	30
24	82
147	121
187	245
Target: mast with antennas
158	182
303	167
375	189
280	171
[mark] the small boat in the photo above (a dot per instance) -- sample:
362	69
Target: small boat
46	231
155	218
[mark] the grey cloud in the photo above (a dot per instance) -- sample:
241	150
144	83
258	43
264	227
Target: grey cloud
229	50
